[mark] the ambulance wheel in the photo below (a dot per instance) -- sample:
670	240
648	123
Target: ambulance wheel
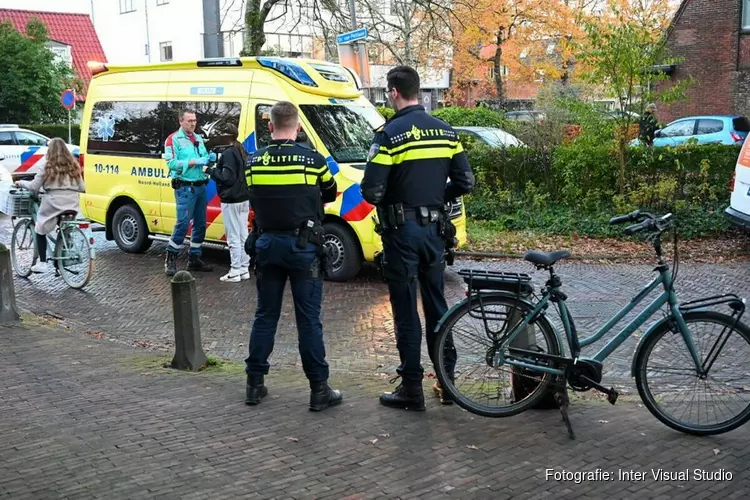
345	257
130	230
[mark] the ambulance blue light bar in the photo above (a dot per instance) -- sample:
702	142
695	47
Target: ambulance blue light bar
288	68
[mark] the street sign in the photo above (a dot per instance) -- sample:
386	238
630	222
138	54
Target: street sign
68	99
352	36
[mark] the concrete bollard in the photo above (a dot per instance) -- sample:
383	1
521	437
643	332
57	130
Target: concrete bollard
8	310
187	332
522	384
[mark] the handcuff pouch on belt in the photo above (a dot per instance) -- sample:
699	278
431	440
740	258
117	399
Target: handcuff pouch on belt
391	216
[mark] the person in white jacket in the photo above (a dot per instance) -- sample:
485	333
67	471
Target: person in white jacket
60	176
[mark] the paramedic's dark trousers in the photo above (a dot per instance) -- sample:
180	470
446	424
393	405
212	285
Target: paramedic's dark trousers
415	258
278	257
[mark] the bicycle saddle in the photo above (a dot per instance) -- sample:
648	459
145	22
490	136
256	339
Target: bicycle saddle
545	258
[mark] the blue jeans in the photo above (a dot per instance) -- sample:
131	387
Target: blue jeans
191	205
415	258
279	258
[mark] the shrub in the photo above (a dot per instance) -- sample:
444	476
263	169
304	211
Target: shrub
574	188
57	130
386	112
470	117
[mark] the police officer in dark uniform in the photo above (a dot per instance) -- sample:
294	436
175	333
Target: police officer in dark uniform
410	161
288	186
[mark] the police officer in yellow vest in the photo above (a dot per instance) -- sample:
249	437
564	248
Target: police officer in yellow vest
411	159
288	186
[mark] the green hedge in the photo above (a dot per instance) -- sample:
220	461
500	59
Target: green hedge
574	189
57	130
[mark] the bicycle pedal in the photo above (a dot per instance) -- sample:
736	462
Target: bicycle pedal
612	395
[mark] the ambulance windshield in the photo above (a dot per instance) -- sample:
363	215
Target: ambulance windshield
346	130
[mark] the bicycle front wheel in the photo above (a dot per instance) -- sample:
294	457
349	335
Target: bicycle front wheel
73	257
469	356
23	247
671	388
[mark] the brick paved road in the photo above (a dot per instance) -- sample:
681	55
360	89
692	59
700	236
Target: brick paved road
129	300
85	418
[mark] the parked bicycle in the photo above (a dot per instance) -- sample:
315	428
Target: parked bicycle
73	255
497	328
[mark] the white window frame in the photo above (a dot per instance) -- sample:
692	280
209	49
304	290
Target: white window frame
162	2
127	6
745	15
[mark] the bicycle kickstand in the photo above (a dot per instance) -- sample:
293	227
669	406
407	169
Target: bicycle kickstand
561	398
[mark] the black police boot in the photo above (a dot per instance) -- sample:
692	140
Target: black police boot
322	396
196	264
170	264
255	390
408	397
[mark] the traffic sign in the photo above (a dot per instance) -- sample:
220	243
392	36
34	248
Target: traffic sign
352	36
68	99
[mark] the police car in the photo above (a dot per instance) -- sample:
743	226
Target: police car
21	149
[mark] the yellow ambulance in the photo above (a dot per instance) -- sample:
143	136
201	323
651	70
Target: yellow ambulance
130	111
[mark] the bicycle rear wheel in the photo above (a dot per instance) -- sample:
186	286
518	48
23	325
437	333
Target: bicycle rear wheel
73	257
23	247
665	383
475	328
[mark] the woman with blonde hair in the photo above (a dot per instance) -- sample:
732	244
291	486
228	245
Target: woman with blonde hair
60	176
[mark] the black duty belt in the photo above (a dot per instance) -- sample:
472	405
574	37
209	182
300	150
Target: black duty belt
180	183
289	232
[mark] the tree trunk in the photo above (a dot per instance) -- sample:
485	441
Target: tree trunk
498	64
255	20
622	145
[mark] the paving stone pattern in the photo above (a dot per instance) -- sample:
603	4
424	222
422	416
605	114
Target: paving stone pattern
129	300
86	418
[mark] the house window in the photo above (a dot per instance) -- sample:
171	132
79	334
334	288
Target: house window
127	6
746	15
162	2
165	50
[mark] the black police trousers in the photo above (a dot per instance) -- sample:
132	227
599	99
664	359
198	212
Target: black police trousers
414	256
279	258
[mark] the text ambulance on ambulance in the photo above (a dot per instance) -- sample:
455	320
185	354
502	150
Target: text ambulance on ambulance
131	110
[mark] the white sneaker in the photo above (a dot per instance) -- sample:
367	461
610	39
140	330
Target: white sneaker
40	267
245	275
231	278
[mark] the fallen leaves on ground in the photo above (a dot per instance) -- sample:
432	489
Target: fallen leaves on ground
711	250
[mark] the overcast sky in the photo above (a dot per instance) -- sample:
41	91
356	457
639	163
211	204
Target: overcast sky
48	5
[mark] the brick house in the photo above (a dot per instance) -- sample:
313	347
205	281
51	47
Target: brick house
713	37
72	38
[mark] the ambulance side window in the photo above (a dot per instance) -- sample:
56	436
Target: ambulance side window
263	135
213	118
262	118
126	128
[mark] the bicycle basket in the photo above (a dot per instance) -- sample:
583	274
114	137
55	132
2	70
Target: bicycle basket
16	203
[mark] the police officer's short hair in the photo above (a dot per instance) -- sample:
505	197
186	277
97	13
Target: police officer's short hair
284	115
405	79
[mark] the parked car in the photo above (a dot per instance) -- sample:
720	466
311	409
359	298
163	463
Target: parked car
711	129
738	212
22	148
525	116
491	136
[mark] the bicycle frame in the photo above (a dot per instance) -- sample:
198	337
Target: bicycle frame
667	296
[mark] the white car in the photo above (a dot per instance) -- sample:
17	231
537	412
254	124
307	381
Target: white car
22	149
491	136
738	212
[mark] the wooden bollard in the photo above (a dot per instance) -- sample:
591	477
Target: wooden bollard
8	310
189	353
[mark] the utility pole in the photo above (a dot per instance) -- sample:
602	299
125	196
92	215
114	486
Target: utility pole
148	38
360	48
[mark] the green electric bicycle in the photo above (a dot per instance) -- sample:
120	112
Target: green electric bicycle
73	255
690	367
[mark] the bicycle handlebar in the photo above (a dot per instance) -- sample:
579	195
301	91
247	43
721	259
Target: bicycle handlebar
631	217
654	224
